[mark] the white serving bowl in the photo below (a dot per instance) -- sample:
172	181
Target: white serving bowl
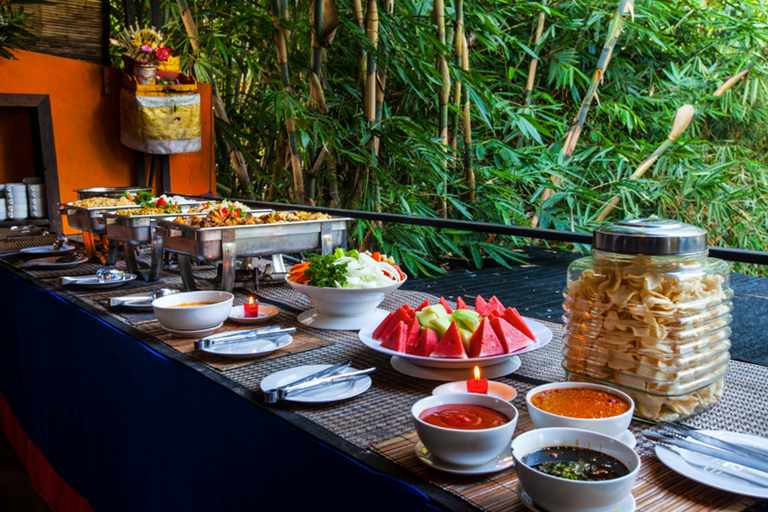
193	318
465	447
561	495
612	426
345	302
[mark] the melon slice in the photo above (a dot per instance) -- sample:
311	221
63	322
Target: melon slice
481	306
446	306
460	304
398	339
424	345
484	342
399	316
511	338
383	325
512	316
450	345
494	307
423	305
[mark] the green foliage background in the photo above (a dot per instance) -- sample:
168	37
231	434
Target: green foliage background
670	53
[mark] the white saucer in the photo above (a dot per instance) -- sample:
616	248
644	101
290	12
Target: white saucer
340	391
249	348
265	313
507	366
312	318
47	250
201	333
497	389
628	438
500	463
626	505
50	262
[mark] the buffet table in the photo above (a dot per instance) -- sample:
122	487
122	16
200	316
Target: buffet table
131	417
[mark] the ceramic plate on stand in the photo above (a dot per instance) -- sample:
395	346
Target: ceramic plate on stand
503	461
199	333
626	505
314	319
505	367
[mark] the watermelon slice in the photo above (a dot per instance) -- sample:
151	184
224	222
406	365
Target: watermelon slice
414	330
460	304
383	325
423	305
399	316
398	339
450	345
512	316
511	338
424	345
446	306
494	307
484	342
481	306
408	309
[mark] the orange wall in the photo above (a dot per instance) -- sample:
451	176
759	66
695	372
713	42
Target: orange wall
86	127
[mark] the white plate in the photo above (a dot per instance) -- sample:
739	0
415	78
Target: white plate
500	463
143	302
265	313
249	348
626	505
497	389
340	391
628	438
542	333
199	333
312	318
505	367
50	262
94	282
47	250
718	473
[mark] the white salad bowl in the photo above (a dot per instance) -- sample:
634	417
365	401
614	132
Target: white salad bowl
557	494
345	302
193	318
610	426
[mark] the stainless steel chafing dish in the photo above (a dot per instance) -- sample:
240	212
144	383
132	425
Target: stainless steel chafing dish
85	193
227	243
91	221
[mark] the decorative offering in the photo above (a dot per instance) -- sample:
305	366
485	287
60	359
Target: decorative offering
584	405
438	331
468	430
580	461
144	46
251	308
477	385
649	312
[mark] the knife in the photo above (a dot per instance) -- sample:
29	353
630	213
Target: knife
685	430
294	389
706	449
271	395
272	331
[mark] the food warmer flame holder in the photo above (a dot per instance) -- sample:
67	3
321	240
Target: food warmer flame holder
227	243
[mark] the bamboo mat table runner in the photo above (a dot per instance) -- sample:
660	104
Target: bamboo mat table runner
379	419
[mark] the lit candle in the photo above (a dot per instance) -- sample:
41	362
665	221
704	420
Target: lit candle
477	385
251	308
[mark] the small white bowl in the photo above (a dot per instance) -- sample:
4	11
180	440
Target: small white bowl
465	447
561	495
193	318
612	426
345	302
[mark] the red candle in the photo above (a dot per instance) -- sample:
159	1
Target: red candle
477	385
251	308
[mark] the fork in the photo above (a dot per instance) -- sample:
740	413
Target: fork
681	431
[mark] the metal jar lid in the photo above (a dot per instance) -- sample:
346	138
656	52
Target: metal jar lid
650	237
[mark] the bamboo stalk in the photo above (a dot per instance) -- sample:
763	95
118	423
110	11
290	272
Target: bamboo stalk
532	67
281	36
458	52
372	31
469	172
683	118
443	98
614	32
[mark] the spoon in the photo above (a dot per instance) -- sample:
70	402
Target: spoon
59	243
69	258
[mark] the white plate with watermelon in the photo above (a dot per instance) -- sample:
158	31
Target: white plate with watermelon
464	338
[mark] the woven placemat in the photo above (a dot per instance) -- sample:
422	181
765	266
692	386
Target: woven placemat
10	243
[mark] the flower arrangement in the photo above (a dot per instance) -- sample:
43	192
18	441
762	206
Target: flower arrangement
144	45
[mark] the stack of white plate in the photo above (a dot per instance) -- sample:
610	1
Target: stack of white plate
16	201
37	203
3	205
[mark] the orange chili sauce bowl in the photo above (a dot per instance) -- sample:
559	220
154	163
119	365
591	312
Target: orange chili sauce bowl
465	447
610	426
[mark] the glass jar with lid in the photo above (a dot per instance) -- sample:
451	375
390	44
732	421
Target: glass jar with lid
649	312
